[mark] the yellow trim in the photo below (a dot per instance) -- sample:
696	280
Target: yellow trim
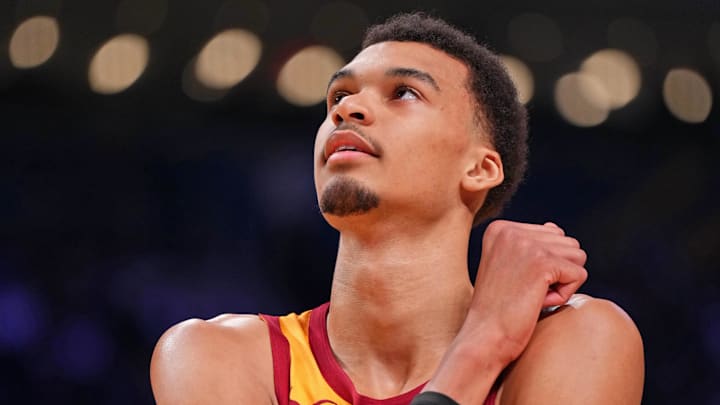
307	385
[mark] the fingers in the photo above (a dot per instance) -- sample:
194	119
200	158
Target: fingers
559	294
543	232
547	227
568	279
557	239
573	254
540	249
553	226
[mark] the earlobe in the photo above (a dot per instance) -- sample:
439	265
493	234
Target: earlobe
484	173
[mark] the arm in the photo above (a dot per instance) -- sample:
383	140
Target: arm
226	360
523	269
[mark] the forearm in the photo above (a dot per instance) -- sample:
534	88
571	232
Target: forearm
468	370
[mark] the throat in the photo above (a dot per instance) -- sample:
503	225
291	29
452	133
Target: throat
399	297
388	338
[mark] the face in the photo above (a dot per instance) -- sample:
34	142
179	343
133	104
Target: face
398	133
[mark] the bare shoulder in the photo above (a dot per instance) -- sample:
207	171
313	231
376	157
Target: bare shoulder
226	359
586	352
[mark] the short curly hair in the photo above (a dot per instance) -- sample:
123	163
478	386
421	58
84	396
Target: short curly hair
498	109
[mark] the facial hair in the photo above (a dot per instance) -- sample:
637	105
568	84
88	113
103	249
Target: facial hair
346	196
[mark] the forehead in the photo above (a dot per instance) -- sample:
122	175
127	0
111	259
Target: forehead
447	71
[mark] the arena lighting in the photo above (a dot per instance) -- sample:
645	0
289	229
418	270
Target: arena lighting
618	73
687	95
228	58
118	63
34	42
304	77
339	24
582	99
535	37
197	90
521	76
635	37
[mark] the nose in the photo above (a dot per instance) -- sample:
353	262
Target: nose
353	108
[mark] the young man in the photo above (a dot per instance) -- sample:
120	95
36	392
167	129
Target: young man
423	138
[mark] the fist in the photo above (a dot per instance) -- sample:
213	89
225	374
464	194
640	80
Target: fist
523	268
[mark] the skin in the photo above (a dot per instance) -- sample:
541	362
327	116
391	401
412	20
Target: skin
403	310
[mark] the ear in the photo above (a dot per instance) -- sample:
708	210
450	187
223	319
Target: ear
484	170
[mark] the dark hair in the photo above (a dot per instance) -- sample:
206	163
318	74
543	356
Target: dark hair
498	108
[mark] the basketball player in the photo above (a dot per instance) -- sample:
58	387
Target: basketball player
423	138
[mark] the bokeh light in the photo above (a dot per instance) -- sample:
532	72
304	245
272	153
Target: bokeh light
581	99
22	318
521	76
340	24
635	37
687	95
618	73
535	37
34	42
228	58
195	89
304	77
118	63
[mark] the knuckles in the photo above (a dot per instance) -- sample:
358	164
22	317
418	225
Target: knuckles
502	231
582	256
574	242
583	275
507	238
494	229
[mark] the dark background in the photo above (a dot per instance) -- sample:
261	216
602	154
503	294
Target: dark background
121	215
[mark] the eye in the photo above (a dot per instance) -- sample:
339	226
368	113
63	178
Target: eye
336	96
406	93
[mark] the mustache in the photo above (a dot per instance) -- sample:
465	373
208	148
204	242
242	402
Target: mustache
348	126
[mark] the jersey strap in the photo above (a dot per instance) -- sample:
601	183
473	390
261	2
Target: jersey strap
281	359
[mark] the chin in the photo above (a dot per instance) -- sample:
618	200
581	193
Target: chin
346	196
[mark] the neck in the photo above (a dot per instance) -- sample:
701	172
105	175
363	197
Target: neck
399	296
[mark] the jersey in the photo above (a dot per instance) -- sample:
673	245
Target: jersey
305	369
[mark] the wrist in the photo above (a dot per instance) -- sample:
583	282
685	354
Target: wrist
487	342
469	368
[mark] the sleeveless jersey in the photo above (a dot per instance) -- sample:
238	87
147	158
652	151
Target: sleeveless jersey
305	369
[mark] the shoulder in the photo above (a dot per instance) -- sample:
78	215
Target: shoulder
588	351
584	315
226	359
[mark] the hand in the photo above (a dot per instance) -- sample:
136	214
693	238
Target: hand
523	268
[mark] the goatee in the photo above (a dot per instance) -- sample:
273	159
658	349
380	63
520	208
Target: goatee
346	196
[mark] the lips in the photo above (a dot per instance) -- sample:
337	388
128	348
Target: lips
346	140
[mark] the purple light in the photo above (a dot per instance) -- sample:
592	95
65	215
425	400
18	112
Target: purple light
21	318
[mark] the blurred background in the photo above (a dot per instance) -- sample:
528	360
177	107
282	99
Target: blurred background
155	165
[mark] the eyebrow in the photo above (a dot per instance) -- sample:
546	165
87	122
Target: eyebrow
339	75
392	72
413	73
